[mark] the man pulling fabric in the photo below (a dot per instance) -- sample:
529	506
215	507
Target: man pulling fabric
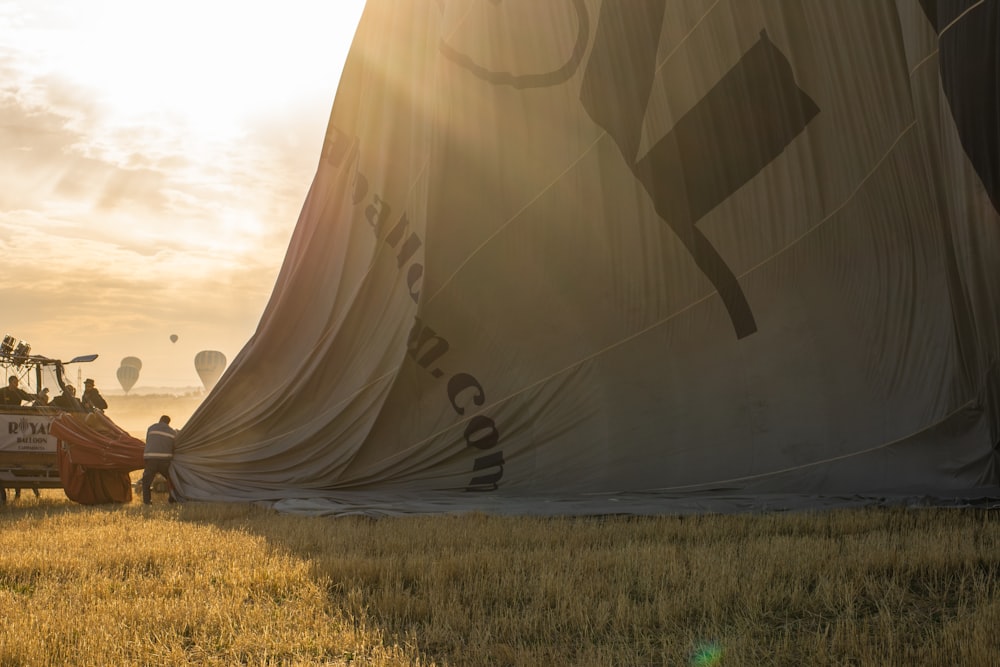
158	454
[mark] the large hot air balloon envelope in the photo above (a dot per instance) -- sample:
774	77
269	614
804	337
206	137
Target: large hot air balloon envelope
173	338
614	256
209	364
127	377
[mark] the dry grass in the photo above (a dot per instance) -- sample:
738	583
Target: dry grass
224	584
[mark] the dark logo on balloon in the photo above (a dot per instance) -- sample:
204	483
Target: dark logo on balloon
732	133
969	62
549	76
743	123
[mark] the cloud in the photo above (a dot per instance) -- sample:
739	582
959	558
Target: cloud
138	200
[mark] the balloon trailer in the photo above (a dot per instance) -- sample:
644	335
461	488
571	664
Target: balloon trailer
28	450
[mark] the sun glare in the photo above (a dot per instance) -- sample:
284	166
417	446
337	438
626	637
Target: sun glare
185	131
207	65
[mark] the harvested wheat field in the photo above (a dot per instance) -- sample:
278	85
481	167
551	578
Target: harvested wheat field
227	584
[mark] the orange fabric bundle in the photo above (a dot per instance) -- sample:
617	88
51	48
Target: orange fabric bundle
95	458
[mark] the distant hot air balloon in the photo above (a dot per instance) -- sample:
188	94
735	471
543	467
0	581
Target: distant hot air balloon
209	364
173	338
127	376
134	362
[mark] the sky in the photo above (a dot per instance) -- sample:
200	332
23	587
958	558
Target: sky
154	157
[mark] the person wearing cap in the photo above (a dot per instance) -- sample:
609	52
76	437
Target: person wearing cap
67	400
12	395
158	454
92	399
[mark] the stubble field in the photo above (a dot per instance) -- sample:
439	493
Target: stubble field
207	584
